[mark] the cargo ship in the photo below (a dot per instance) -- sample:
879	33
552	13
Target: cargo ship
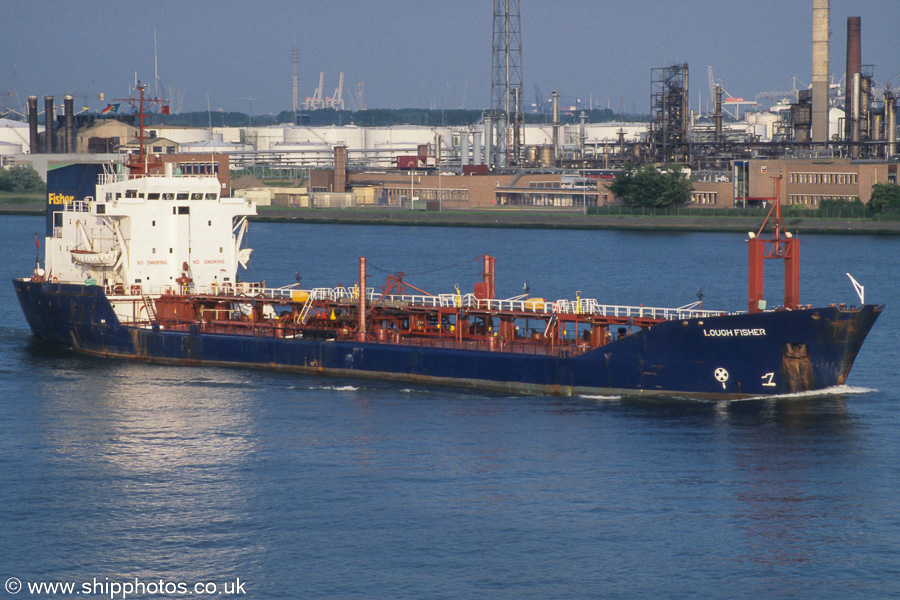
145	266
147	269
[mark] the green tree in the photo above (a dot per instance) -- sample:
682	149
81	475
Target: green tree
648	186
22	178
885	197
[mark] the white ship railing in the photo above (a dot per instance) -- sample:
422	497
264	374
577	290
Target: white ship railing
585	306
107	178
589	306
78	205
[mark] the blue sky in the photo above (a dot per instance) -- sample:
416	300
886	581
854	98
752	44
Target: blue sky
421	53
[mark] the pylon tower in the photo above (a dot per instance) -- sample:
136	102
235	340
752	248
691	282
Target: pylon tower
506	84
295	79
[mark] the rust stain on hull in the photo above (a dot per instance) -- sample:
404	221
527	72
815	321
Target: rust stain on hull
797	372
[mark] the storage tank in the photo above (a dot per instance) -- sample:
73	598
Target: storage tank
546	156
763	124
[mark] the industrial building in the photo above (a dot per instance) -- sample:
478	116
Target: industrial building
825	142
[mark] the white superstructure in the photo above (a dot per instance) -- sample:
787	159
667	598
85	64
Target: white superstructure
150	235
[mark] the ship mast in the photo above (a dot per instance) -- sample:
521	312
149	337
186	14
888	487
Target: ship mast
780	245
140	167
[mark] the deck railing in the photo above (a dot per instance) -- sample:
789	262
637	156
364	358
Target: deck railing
346	295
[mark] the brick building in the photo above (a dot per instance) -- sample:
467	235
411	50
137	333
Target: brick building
804	182
807	182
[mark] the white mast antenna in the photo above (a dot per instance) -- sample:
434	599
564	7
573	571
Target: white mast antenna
155	67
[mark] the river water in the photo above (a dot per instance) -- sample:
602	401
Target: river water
132	479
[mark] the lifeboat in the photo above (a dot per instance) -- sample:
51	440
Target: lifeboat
102	259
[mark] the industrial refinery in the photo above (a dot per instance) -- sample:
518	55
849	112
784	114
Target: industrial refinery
832	139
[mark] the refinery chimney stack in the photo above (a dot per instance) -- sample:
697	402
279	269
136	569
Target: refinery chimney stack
820	22
69	112
854	61
32	125
555	127
49	117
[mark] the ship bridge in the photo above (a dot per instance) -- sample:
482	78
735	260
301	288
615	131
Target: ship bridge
150	233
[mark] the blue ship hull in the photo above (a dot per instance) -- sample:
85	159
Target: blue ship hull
729	356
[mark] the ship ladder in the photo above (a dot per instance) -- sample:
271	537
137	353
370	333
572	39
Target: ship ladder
304	312
151	308
550	325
